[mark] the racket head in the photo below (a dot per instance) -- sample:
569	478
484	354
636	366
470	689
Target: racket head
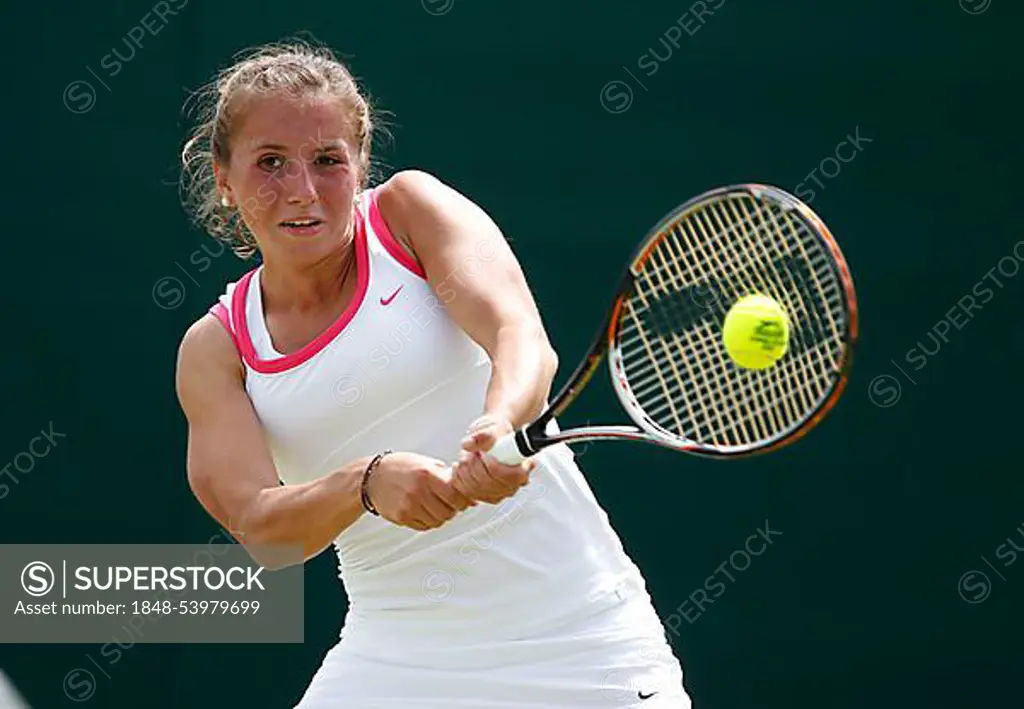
666	357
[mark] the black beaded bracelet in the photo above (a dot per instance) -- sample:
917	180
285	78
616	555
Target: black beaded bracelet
364	488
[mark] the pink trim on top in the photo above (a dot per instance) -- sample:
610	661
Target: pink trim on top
384	236
221	313
280	364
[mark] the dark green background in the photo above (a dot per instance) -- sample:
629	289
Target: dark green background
882	510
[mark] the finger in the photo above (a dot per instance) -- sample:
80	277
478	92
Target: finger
459	469
455	498
473	482
435	509
510	477
416	524
425	510
482	440
506	477
460	482
439	501
474	479
471	468
423	522
495	490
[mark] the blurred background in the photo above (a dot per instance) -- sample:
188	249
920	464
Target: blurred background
891	579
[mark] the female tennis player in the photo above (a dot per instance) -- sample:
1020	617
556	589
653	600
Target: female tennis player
387	339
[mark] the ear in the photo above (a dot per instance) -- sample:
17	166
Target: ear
221	180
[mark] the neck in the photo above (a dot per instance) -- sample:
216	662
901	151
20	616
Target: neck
308	286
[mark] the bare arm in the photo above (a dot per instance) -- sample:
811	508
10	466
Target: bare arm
479	281
230	468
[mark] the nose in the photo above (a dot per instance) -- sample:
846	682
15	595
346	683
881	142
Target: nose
301	184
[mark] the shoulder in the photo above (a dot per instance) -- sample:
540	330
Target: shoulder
207	335
409	189
418	207
408	203
206	351
414	198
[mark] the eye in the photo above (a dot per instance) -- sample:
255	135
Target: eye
271	163
328	160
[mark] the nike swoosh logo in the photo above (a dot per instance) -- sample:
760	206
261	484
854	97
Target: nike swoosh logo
645	696
387	301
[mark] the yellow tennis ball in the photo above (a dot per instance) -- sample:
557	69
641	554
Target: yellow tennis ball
756	332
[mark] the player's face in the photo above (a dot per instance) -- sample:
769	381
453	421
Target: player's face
293	172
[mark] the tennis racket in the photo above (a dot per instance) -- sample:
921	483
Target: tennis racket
663	332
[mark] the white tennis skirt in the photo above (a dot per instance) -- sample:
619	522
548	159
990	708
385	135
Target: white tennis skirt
616	657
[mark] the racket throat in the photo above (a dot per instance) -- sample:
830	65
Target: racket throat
523	443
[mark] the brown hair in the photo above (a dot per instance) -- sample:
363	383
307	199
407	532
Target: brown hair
295	67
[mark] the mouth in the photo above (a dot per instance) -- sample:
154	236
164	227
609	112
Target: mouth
305	226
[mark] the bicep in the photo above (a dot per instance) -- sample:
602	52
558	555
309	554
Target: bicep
228	460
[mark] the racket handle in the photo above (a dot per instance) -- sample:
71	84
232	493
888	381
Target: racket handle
506	450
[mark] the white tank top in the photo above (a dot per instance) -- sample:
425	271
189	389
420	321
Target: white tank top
395	372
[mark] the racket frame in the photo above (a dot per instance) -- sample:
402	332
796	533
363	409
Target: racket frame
534	437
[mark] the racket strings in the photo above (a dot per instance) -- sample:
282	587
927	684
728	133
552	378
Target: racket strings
651	386
712	223
657	284
669	336
656	274
748	407
777	282
759	405
782	410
